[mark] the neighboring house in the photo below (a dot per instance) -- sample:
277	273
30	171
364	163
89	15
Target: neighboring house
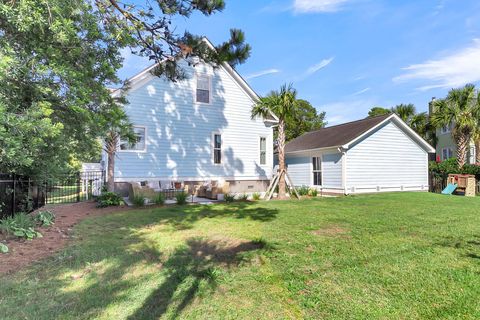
446	147
196	130
377	154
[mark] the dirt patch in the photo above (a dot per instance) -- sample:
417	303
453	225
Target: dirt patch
332	231
24	252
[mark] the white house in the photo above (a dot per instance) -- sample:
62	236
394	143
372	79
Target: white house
196	130
377	154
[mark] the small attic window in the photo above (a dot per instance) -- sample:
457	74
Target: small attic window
203	88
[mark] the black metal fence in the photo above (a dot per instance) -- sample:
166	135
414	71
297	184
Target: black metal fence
20	193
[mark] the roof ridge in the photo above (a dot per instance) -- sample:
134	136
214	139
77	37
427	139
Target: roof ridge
350	122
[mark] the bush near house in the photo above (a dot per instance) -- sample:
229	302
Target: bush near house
450	166
107	199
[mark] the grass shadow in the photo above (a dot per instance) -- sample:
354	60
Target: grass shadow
186	269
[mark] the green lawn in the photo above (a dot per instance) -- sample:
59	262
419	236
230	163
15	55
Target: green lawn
390	256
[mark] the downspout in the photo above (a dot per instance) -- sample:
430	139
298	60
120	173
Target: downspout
343	151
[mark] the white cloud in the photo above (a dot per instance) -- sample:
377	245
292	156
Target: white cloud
308	6
347	110
450	71
262	73
322	64
361	91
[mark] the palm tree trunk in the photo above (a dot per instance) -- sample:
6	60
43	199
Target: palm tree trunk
477	151
281	159
111	148
463	142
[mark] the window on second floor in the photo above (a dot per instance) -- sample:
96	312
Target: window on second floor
140	145
446	129
203	88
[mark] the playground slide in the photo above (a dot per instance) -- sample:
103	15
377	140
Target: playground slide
450	188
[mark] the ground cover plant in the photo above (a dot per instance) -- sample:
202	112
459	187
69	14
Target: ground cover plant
384	256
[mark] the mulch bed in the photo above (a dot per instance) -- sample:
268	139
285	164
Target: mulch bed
24	252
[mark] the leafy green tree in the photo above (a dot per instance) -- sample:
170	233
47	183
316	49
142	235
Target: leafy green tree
460	109
306	119
148	28
56	62
283	104
58	57
378	111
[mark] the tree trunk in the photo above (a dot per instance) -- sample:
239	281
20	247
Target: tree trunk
111	172
111	149
281	159
463	142
477	151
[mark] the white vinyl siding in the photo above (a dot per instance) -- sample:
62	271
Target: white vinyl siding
386	160
179	131
332	170
300	170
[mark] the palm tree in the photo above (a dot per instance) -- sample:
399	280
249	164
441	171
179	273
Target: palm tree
283	104
476	134
460	109
406	112
118	127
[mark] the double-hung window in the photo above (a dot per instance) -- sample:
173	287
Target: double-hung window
263	151
217	148
203	88
317	171
139	145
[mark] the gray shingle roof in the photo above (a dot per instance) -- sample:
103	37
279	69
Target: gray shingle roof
333	136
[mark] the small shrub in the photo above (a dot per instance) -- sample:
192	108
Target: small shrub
181	198
312	192
20	220
256	196
107	199
159	199
45	218
27	233
229	198
138	200
303	191
3	248
243	197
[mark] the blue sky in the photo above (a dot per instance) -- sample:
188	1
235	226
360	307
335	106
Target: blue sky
346	56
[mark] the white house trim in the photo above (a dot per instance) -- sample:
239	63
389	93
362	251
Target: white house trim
403	126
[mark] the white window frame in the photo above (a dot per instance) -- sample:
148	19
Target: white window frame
260	150
213	148
132	150
312	171
197	75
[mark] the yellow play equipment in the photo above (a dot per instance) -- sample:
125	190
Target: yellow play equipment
465	183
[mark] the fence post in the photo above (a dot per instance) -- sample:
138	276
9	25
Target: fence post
13	197
78	186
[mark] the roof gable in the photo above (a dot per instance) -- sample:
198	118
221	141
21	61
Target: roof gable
344	135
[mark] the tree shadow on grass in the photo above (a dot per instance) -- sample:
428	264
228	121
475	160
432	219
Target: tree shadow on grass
183	217
113	260
186	269
467	246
